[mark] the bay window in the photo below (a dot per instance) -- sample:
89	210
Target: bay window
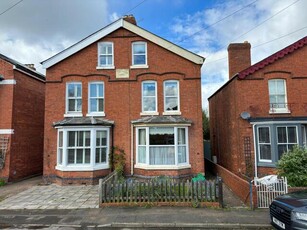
82	149
162	147
286	139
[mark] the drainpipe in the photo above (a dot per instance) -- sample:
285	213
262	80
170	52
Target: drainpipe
131	150
255	151
112	146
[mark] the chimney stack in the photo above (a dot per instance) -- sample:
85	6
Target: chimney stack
31	66
130	18
239	57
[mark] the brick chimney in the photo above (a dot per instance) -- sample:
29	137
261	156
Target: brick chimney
31	66
130	18
239	57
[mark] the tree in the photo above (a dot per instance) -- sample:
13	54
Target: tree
293	165
206	128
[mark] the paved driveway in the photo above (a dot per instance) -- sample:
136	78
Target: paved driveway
54	197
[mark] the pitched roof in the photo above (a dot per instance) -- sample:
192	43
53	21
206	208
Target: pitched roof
274	57
162	120
121	23
83	121
23	68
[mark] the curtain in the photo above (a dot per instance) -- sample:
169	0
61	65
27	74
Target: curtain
161	155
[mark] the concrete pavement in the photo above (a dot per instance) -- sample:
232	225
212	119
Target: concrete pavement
136	217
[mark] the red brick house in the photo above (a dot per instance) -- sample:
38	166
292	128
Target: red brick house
126	87
22	99
261	112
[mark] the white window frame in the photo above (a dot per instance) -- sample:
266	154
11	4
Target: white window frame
162	167
92	166
154	112
72	113
133	66
287	143
278	110
94	113
171	112
107	66
270	143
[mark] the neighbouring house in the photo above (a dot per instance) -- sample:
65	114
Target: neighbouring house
22	107
122	87
261	112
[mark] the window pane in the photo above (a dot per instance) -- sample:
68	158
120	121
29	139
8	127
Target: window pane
100	90
280	87
87	138
61	139
171	89
93	105
104	49
142	136
71	104
79	156
93	90
280	100
138	48
78	90
79	105
71	139
272	88
171	103
71	90
100	105
101	138
182	154
80	138
109	60
142	154
103	60
139	60
149	104
281	150
162	155
161	136
97	155
60	156
181	136
87	159
264	135
109	49
292	138
265	152
281	135
104	155
149	89
71	156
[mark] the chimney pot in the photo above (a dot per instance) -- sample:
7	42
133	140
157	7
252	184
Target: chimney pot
130	18
31	66
239	57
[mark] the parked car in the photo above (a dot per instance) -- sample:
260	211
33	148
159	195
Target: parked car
289	211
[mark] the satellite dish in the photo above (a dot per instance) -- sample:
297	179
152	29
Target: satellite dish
245	115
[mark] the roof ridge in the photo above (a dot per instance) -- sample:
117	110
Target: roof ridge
272	58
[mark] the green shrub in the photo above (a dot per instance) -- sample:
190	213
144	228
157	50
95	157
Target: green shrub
117	161
2	182
293	165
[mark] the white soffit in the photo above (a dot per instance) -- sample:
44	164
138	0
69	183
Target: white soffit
131	27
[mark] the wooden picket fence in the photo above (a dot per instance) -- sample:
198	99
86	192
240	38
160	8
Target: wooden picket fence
161	192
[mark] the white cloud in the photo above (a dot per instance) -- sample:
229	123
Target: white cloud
212	41
113	17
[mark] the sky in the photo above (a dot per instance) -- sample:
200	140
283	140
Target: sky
34	30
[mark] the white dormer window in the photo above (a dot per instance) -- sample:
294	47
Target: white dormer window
278	96
105	55
139	55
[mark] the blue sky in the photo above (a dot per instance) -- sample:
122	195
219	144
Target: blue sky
34	30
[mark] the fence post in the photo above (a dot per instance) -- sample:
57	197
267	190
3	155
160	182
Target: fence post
251	195
100	191
220	186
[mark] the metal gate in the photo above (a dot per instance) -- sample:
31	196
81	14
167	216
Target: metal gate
3	148
268	188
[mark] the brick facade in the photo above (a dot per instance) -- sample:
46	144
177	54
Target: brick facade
123	101
22	113
248	92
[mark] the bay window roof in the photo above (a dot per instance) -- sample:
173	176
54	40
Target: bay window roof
162	120
81	121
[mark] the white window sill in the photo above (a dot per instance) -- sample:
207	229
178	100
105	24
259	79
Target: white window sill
139	67
281	111
171	113
73	115
79	168
162	167
149	113
101	114
105	67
